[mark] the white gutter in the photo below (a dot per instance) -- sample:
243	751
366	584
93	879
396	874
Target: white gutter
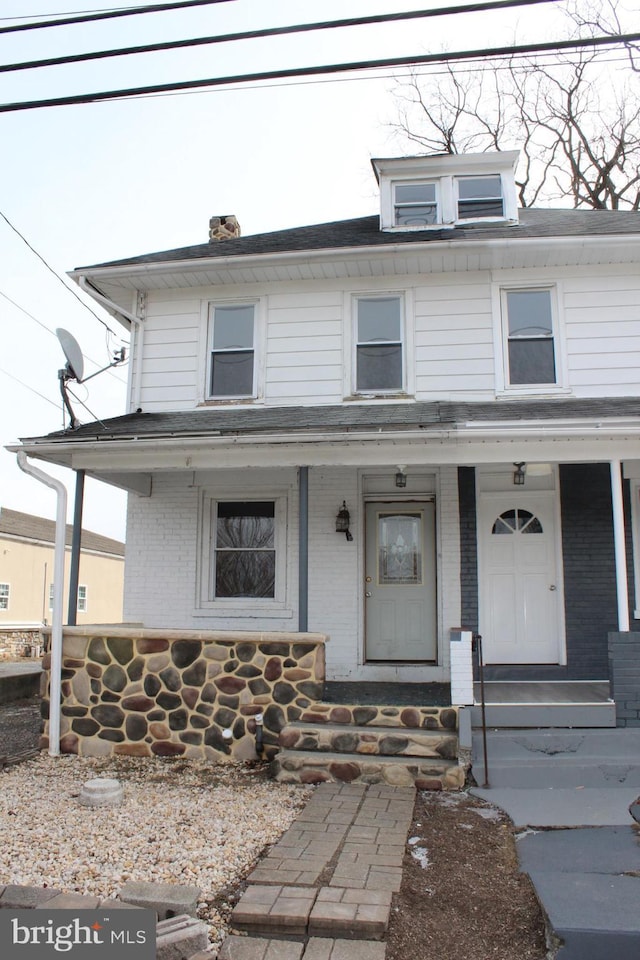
113	308
58	593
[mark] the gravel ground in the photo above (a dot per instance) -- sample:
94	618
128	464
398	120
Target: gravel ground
181	822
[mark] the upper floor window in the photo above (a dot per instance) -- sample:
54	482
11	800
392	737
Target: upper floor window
479	197
528	329
415	204
4	596
82	598
232	350
379	347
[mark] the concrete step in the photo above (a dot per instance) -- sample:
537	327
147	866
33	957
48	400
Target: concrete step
299	766
369	740
382	715
560	758
546	714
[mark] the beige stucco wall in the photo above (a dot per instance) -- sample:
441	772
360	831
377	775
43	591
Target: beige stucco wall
28	569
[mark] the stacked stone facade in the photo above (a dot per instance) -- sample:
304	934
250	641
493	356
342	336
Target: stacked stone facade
193	694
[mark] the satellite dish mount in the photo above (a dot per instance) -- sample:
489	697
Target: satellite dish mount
74	369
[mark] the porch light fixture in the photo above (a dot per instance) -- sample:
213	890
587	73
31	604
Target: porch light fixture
343	520
518	475
401	477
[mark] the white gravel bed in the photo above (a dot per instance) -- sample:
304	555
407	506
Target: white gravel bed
181	821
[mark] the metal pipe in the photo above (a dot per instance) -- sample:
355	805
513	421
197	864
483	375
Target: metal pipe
303	550
259	721
622	583
477	640
58	593
74	570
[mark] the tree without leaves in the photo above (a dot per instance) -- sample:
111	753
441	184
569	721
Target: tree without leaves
576	123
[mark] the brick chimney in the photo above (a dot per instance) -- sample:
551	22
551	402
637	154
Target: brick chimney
223	228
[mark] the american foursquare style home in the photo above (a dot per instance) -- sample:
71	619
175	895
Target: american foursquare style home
352	447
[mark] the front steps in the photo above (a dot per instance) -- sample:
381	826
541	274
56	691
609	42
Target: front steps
396	745
539	704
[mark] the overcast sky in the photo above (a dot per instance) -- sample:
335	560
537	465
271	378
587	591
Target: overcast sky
91	183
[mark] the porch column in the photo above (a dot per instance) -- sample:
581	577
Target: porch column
303	549
74	571
619	546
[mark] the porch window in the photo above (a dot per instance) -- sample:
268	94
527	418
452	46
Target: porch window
4	596
529	334
245	549
231	366
379	348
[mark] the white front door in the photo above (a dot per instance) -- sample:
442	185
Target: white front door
520	598
400	582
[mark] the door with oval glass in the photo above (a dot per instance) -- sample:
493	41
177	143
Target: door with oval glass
400	582
521	596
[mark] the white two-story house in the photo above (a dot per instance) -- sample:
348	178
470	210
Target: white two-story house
385	428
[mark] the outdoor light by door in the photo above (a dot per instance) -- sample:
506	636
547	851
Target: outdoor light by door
342	521
401	477
518	475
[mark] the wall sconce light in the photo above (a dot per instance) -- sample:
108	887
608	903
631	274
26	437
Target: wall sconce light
401	477
518	475
343	520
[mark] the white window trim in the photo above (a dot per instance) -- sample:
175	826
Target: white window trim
407	324
634	489
259	349
501	335
5	596
276	606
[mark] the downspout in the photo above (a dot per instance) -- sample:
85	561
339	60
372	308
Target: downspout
622	585
303	549
74	570
58	592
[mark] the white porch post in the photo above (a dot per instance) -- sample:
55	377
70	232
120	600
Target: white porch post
619	546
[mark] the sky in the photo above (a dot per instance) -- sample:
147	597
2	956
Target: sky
86	184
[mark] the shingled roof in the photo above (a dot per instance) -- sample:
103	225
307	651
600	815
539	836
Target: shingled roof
366	232
345	418
24	526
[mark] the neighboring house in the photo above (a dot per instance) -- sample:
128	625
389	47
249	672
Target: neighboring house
460	376
26	575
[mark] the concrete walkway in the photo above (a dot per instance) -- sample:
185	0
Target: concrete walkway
324	890
569	791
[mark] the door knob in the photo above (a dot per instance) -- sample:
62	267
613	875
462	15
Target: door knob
368	593
553	587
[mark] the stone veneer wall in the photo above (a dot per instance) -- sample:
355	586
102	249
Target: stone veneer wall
170	693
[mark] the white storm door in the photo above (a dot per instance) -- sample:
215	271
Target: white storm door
400	582
521	599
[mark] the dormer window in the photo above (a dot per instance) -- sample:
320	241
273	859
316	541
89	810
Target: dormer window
415	204
479	197
446	190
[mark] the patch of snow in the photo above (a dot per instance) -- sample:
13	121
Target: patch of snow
421	855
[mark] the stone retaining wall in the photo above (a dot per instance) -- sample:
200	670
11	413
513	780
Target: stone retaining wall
170	693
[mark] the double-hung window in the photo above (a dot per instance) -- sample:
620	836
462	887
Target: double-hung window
4	596
82	598
528	335
232	350
244	549
415	204
479	197
379	346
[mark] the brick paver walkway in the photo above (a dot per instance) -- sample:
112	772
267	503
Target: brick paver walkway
329	880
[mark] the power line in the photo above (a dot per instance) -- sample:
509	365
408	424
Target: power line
49	330
109	15
482	54
487	5
56	275
27	387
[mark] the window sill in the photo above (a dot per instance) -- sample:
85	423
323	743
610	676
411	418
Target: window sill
382	397
524	393
261	611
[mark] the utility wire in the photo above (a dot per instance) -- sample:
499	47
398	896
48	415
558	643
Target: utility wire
481	54
109	15
27	387
49	330
56	275
399	17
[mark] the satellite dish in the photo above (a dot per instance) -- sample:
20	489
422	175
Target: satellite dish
73	353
